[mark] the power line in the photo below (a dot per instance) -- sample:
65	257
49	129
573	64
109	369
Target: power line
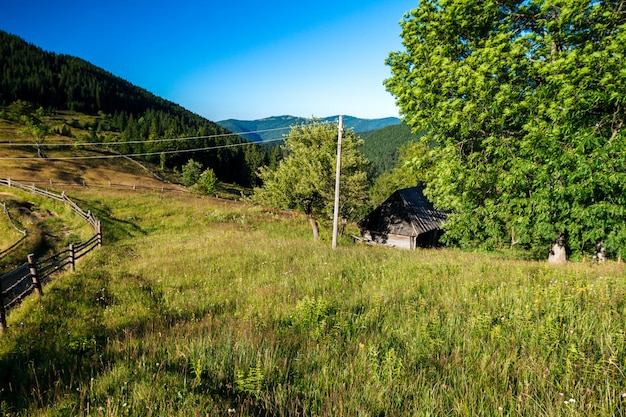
119	155
69	158
150	141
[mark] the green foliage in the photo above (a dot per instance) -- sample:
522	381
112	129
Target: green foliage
191	172
305	178
250	382
207	183
525	104
413	160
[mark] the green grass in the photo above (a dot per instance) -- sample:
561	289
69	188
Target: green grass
8	234
50	227
195	306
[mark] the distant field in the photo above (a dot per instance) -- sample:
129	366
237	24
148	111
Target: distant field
197	306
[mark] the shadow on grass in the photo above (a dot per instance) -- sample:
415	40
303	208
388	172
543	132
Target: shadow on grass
113	229
56	343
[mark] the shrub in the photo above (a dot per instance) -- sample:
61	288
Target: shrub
207	183
191	172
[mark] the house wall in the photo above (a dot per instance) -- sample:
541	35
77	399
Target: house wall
398	241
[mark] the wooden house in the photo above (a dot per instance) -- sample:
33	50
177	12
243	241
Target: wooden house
405	220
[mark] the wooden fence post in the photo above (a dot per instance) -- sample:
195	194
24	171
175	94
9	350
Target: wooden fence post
99	232
72	257
32	267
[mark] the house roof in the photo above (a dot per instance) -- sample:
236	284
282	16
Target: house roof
406	212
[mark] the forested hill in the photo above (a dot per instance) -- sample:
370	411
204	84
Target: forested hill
57	81
272	128
381	146
126	113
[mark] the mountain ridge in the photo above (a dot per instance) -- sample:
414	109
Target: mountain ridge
274	127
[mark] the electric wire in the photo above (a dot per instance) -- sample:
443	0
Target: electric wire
119	155
221	135
140	154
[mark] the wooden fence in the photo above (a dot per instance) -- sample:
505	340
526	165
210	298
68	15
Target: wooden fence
31	275
166	187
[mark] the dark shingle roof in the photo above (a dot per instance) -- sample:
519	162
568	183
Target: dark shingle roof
406	212
423	216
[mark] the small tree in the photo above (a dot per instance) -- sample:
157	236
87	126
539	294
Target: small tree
207	183
39	131
191	172
305	178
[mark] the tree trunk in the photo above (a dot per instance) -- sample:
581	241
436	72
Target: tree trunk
316	230
558	254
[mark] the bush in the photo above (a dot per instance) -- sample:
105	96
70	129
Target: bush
191	172
207	183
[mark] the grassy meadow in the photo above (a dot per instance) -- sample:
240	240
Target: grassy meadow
205	307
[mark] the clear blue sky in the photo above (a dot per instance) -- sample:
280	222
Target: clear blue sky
230	59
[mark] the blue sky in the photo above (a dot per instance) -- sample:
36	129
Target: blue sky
230	59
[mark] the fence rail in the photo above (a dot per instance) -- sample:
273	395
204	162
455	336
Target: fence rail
29	277
167	187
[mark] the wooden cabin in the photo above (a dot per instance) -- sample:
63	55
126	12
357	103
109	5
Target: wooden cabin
405	220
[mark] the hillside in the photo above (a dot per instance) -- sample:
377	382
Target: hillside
49	83
58	81
381	146
273	128
121	112
67	165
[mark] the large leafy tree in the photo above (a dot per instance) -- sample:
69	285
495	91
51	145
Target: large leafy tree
525	101
305	178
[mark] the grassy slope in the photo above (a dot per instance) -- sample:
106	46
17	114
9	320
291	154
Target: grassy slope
195	306
67	173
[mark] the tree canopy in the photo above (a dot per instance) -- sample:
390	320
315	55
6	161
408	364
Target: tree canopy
305	178
525	102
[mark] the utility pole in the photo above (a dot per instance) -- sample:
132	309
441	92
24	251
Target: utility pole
337	182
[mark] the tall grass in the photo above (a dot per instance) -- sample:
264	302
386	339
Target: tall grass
195	307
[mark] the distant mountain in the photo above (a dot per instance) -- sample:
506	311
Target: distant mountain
273	128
